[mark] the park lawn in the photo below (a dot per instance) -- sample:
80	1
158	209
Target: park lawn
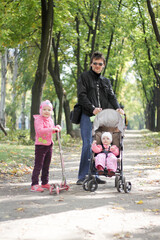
16	159
17	154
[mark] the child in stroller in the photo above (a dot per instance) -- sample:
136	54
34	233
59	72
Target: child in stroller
108	122
105	155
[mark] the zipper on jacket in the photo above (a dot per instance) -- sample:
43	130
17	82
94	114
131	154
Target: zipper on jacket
98	95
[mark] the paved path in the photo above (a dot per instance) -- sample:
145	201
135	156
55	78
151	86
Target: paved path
80	215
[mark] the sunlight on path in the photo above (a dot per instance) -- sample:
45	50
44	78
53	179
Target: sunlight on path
79	215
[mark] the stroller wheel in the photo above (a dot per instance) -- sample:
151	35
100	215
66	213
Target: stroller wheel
120	186
127	187
92	185
85	185
123	180
116	180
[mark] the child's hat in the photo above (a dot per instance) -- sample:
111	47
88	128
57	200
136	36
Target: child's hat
44	104
107	134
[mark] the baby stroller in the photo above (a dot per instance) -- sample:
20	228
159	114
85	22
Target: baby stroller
111	121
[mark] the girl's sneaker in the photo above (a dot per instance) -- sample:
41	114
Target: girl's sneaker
46	186
36	188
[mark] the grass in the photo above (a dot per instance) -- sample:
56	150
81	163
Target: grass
151	139
17	151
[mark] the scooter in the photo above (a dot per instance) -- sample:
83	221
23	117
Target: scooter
57	188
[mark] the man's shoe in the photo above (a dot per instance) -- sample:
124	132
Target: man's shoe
99	181
79	182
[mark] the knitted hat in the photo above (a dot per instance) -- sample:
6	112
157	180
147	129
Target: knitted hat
107	134
44	104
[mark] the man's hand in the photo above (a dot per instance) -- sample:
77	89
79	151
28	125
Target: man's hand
120	110
97	110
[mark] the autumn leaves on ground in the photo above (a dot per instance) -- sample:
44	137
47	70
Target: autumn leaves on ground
78	214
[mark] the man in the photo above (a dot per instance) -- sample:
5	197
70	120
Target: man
94	94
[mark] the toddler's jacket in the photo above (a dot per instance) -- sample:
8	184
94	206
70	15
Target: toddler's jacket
43	129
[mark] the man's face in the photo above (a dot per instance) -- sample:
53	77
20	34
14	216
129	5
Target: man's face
97	65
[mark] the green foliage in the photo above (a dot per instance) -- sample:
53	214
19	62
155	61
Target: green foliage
133	107
18	21
19	137
20	26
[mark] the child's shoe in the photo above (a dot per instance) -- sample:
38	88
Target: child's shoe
36	188
111	173
100	168
46	186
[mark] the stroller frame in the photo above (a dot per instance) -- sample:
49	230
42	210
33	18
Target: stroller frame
90	183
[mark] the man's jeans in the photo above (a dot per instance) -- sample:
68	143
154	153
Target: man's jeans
86	134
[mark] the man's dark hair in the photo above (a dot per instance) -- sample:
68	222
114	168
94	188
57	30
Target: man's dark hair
98	55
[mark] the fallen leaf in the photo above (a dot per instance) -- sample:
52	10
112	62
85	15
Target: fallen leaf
128	235
118	208
20	209
139	202
147	210
155	210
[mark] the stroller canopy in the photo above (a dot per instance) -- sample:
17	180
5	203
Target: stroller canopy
108	118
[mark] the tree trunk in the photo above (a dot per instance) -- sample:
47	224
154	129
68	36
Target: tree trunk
147	46
41	73
95	28
158	108
2	128
77	52
111	40
14	77
67	117
54	72
3	87
154	24
23	126
152	117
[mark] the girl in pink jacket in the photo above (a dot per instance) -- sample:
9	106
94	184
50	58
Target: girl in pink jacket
44	128
103	160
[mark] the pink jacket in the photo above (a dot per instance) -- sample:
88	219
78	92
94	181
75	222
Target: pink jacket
98	148
43	128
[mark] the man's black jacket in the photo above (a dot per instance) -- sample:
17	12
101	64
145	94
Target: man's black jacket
88	92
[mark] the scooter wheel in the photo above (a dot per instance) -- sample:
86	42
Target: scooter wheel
67	187
51	189
57	189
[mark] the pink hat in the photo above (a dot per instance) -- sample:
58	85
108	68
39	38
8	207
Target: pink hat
44	104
